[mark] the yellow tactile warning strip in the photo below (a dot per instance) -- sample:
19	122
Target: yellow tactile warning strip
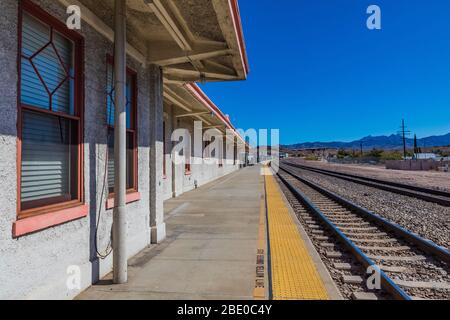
294	275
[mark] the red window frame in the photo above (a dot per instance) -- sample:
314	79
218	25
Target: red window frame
187	164
187	169
26	6
188	159
134	125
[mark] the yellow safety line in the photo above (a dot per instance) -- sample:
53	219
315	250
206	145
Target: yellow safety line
294	274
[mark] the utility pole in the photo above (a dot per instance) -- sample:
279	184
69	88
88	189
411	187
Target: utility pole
416	148
403	132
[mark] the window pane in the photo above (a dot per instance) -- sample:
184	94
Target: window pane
129	159
111	160
110	109
35	35
110	96
63	98
47	67
49	160
64	47
33	92
129	97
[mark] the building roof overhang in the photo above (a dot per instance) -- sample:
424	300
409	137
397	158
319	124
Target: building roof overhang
192	40
196	105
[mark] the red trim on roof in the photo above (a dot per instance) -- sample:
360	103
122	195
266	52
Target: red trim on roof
203	98
237	22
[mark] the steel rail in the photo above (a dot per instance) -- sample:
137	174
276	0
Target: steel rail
391	183
429	195
386	283
425	245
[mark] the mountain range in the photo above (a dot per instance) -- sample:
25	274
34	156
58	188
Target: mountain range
391	142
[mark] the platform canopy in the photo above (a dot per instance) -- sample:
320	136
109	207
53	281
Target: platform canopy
196	105
193	40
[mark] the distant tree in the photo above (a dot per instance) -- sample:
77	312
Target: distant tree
312	158
417	149
391	155
342	154
376	153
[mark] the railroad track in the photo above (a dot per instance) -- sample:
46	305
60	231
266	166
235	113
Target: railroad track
410	267
426	194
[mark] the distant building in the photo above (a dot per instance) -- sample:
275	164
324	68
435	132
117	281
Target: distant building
425	156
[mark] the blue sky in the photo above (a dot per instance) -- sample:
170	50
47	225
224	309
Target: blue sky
318	74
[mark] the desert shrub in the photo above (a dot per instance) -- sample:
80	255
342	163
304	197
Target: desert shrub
312	158
391	155
375	153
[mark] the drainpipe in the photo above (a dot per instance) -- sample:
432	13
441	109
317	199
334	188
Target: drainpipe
119	216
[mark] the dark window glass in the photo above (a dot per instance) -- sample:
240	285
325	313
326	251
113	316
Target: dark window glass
131	130
130	160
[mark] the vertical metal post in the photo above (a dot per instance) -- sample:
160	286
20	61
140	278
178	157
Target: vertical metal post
119	216
404	138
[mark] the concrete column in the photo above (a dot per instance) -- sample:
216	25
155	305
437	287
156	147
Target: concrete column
120	258
158	227
172	125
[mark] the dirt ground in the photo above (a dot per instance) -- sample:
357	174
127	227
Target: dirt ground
428	179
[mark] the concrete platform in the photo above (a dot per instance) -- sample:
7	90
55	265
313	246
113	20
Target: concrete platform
211	249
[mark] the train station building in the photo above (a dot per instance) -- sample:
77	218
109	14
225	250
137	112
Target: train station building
58	129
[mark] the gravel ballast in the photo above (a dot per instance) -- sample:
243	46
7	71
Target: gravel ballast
429	220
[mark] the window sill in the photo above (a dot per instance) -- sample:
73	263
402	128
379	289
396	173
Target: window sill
131	197
44	221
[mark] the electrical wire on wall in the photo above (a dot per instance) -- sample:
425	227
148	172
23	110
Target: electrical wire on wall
109	249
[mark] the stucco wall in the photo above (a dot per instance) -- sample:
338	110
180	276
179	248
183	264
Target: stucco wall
35	266
201	173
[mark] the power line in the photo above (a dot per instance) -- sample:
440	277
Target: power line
404	132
